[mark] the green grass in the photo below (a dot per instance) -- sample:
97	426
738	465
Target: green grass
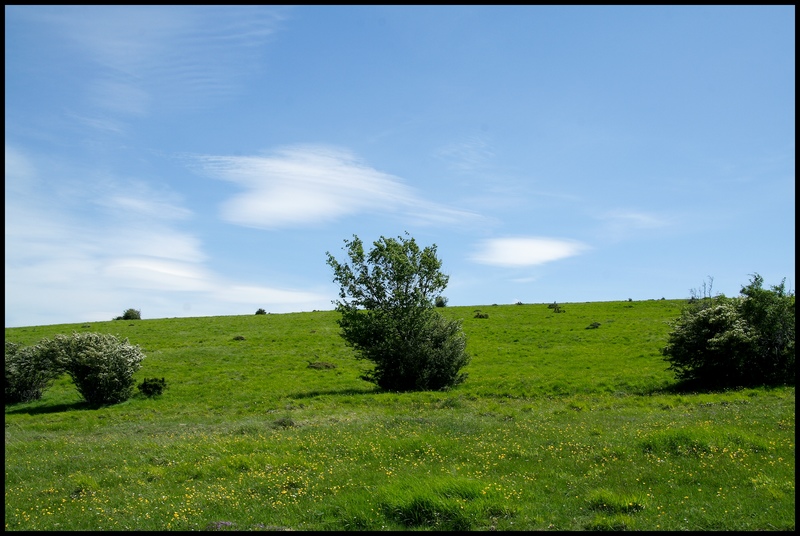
560	425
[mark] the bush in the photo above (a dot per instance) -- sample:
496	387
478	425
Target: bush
130	314
733	342
152	386
261	312
388	315
431	360
440	301
30	370
100	365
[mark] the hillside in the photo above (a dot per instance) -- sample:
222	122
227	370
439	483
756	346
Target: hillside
567	421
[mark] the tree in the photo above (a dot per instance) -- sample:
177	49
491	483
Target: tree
732	342
388	315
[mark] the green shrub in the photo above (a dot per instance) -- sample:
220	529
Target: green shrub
261	312
130	314
30	370
440	301
101	366
733	342
152	386
388	315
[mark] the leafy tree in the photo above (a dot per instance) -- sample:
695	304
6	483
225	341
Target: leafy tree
388	315
730	342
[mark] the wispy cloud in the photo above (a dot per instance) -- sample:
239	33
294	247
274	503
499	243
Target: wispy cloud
469	155
525	251
178	56
312	184
124	241
633	219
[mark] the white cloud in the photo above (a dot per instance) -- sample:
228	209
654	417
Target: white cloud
313	184
525	251
66	263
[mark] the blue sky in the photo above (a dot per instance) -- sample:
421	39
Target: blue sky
200	161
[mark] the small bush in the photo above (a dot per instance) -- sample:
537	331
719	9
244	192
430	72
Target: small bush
130	314
261	312
593	325
101	366
239	338
152	386
481	315
440	301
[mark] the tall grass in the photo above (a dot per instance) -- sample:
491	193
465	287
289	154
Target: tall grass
557	427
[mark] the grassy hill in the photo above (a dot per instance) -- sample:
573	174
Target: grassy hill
567	421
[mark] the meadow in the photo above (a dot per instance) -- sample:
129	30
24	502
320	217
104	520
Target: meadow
567	421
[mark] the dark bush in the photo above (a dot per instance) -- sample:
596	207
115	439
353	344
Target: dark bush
130	314
261	312
152	386
440	301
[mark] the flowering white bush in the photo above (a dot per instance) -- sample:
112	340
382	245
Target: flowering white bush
100	365
30	370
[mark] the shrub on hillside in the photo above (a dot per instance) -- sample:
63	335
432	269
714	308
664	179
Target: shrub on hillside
152	386
101	366
732	342
261	312
30	370
440	301
130	314
388	315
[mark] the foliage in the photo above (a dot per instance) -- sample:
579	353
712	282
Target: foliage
440	301
29	370
100	365
771	317
152	386
130	314
387	315
730	342
261	311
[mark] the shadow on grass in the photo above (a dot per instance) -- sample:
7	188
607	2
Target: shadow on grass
51	408
336	392
699	387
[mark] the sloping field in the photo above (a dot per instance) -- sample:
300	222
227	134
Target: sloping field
567	421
